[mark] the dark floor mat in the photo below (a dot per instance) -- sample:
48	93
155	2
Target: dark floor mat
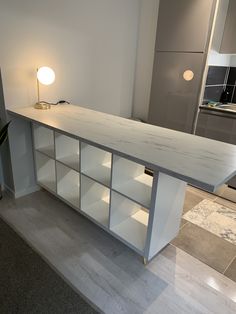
29	285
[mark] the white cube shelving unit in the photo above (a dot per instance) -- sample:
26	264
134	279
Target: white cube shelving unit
68	184
95	200
129	221
45	168
44	140
130	179
142	211
96	163
67	150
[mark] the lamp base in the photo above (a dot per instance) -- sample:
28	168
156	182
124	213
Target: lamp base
42	105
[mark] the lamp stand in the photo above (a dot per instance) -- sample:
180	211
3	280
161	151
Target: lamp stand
41	104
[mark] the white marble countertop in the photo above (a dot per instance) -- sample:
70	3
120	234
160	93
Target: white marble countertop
202	162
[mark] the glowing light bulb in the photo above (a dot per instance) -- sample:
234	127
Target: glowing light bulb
45	75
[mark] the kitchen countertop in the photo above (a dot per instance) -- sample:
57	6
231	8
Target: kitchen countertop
200	161
220	111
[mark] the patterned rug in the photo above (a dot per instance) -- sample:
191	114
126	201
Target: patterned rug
214	218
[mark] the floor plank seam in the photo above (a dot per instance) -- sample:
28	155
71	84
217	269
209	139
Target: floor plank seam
229	265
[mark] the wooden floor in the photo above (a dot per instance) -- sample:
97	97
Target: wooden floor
109	274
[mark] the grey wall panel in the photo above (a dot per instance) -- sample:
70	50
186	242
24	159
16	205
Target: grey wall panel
174	101
22	159
184	25
228	44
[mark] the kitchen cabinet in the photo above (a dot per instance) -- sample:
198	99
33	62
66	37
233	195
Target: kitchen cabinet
184	25
228	44
174	101
218	127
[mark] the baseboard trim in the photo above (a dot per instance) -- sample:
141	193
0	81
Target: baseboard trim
18	194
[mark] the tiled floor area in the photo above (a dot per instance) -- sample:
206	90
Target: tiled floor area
202	244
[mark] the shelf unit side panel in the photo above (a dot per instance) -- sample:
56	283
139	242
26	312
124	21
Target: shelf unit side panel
165	213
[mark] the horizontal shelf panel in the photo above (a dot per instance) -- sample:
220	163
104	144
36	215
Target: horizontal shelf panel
70	198
99	211
138	189
47	150
70	160
102	173
134	229
49	184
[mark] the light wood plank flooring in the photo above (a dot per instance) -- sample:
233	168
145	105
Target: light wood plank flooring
108	273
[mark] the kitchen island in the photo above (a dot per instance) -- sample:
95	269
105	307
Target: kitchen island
96	162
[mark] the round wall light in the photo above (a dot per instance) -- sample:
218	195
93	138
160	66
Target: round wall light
188	75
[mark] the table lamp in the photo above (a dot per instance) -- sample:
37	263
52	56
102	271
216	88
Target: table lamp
45	76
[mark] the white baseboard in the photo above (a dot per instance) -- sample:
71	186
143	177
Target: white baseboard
18	194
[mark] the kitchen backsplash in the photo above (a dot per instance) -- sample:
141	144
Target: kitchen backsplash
220	79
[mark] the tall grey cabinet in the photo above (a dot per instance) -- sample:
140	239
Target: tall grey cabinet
183	33
228	44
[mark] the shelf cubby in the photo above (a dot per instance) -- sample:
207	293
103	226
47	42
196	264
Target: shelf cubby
129	178
46	173
68	183
96	163
129	221
67	150
44	140
95	199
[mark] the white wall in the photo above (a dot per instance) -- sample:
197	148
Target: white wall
215	58
145	57
90	44
233	61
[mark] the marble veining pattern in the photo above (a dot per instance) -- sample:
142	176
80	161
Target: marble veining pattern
187	157
214	218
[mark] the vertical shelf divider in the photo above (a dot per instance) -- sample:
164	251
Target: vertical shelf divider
109	218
